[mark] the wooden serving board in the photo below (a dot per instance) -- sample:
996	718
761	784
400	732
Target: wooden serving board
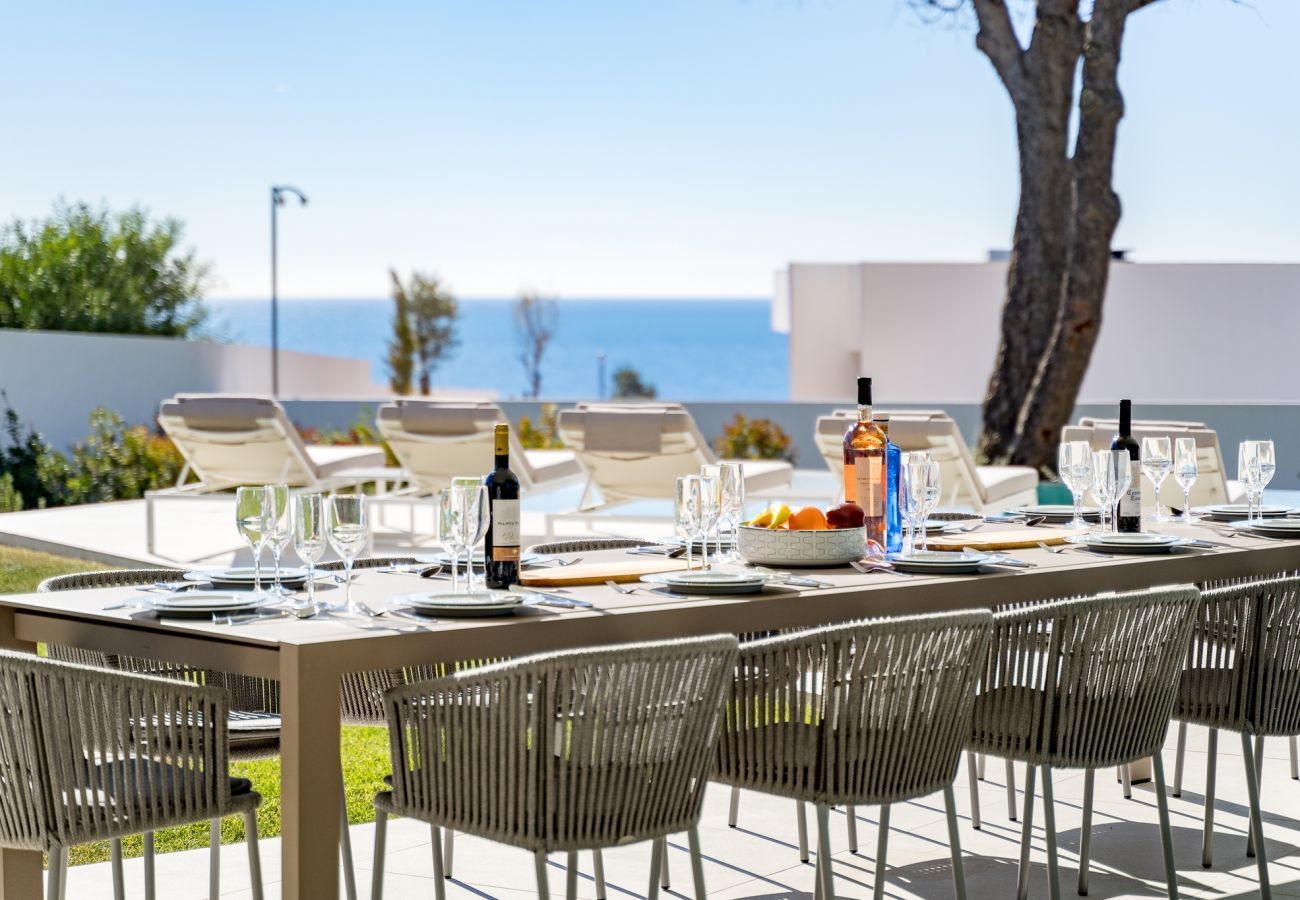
1003	538
597	573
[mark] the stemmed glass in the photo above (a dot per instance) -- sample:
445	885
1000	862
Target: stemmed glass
684	516
705	497
347	533
309	538
1254	460
279	529
478	497
923	490
1074	463
1102	488
453	510
908	508
1157	460
1267	466
252	506
730	500
1185	473
1115	473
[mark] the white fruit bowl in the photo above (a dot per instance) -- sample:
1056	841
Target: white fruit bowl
782	547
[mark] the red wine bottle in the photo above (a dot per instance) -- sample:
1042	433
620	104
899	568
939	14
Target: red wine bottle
1129	518
502	542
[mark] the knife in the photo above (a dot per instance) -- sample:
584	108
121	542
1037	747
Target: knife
554	600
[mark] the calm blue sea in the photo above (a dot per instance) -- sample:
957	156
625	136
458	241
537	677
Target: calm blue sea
688	349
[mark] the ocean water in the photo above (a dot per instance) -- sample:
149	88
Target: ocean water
687	349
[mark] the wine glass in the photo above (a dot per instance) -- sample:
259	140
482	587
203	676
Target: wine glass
1157	460
309	537
933	491
252	519
1185	473
1117	473
705	497
1248	474
1267	463
1102	488
348	533
907	507
1074	463
923	491
684	516
453	510
731	494
472	484
279	529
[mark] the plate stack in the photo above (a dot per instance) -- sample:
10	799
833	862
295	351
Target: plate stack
711	582
475	604
934	562
1059	513
1236	512
245	577
1124	542
1274	527
194	604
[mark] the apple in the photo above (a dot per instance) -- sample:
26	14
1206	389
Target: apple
846	515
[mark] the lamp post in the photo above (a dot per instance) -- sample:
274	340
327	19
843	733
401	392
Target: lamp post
600	374
277	200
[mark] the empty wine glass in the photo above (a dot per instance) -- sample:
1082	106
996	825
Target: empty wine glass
924	488
279	529
731	494
1116	473
705	497
251	517
907	508
477	498
1101	486
684	516
309	538
1185	473
1074	463
1248	474
1267	467
453	511
1157	460
348	534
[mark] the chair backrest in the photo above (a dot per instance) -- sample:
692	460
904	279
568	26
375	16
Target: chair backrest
1211	484
230	440
565	751
1089	682
436	440
91	753
634	451
931	430
1243	665
875	711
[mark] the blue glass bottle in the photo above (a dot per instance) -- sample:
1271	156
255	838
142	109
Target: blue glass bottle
893	514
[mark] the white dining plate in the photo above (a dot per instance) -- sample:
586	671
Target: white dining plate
1140	542
247	575
203	603
711	582
1235	511
444	559
932	528
939	563
1061	511
445	603
1270	527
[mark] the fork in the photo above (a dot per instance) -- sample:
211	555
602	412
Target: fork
624	589
870	568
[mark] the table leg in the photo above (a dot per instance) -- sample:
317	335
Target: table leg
20	870
309	774
1139	771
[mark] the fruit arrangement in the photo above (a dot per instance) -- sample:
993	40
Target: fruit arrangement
779	516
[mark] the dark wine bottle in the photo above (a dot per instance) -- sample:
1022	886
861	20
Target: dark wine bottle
1130	502
502	542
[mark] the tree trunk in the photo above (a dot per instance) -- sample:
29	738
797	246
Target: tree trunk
1055	389
1040	83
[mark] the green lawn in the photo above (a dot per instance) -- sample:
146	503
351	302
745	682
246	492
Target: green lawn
365	750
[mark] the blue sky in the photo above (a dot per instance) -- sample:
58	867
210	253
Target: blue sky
618	147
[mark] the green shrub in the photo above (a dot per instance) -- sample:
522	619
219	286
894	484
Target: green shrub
628	385
10	499
744	438
361	433
25	459
117	462
545	435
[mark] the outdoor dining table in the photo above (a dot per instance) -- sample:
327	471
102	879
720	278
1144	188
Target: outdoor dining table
308	656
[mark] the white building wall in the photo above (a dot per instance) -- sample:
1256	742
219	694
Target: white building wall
1175	332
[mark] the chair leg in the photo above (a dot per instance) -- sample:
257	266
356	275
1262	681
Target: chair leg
54	877
826	879
598	869
1259	776
119	882
539	863
150	880
214	858
801	816
1295	759
735	807
439	877
1166	836
345	844
1085	830
1256	820
1211	764
697	862
377	872
979	766
973	779
665	881
254	853
1049	826
954	844
1126	779
1178	759
448	850
851	819
63	874
571	875
1011	790
882	853
656	861
1026	832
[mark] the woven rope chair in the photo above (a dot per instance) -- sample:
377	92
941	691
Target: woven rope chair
110	578
562	752
91	754
588	545
1243	675
1083	684
872	712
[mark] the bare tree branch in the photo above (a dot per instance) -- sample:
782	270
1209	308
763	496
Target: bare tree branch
997	40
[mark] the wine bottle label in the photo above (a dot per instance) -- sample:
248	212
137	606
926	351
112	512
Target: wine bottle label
1131	503
505	530
850	484
869	488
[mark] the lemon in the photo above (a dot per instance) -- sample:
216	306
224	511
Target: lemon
780	515
762	520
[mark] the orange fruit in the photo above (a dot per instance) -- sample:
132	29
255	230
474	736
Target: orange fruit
810	518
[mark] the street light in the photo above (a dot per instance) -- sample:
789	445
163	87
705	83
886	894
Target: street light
277	200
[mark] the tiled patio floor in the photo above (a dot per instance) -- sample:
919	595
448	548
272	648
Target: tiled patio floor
758	860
